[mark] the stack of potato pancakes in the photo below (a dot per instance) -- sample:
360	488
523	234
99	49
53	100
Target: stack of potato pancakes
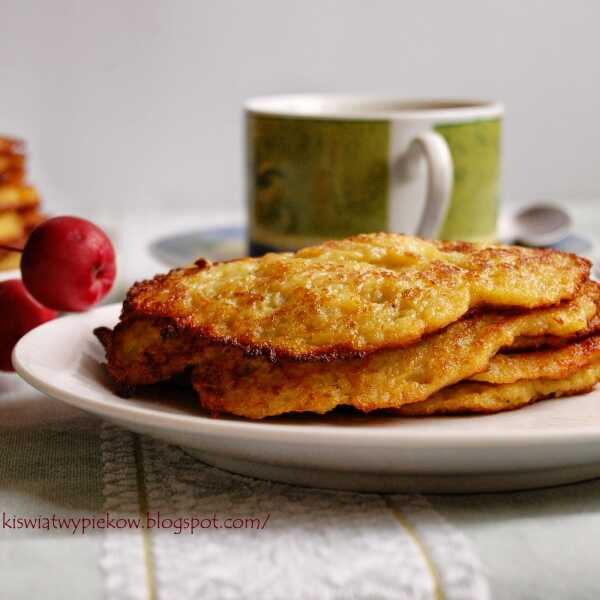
19	202
380	321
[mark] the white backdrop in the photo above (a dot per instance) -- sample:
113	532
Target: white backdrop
137	103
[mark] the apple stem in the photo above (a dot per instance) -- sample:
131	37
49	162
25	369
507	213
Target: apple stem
10	248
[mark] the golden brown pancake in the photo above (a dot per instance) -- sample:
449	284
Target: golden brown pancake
11	226
350	297
473	397
12	169
14	197
19	202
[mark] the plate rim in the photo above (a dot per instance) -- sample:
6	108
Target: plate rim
325	434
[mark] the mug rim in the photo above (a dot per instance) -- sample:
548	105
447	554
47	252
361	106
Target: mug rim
373	107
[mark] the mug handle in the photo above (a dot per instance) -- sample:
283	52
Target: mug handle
439	181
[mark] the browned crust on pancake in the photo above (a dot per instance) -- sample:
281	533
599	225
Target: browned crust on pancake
165	354
12	169
13	176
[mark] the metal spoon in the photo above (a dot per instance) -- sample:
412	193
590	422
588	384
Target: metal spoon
540	224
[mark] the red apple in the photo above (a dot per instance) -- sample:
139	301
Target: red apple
68	264
20	313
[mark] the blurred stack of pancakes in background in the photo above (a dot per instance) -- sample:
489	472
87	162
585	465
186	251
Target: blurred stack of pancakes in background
19	201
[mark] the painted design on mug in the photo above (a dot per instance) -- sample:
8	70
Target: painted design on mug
313	179
475	150
316	179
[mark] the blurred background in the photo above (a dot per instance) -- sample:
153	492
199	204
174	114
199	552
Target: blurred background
128	104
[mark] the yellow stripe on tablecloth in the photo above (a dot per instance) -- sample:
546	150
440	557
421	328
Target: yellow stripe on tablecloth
143	504
412	532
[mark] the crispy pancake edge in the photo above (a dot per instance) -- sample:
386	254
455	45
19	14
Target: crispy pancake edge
487	398
552	363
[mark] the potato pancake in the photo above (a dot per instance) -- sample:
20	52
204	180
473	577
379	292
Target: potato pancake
350	297
472	397
14	197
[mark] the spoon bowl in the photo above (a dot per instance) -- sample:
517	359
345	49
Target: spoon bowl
541	225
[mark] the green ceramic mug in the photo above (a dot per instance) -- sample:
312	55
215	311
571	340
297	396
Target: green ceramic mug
323	166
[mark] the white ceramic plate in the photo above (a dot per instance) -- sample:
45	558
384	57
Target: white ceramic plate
549	443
